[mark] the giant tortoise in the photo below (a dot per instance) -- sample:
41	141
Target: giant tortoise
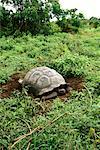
45	83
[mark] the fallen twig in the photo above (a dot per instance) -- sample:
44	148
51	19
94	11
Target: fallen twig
39	128
29	143
24	136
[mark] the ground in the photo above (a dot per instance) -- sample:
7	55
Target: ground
69	122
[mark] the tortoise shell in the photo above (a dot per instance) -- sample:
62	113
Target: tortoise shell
42	80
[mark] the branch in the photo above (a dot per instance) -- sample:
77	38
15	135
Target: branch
39	129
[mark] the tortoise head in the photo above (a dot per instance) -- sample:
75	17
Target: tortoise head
61	91
64	88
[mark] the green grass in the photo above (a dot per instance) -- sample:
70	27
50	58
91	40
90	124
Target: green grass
64	125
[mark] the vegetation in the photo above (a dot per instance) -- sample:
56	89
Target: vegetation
29	38
70	124
34	16
94	22
70	21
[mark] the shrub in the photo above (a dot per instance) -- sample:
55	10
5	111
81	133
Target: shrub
71	64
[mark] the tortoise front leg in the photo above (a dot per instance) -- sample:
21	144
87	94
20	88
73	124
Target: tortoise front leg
52	95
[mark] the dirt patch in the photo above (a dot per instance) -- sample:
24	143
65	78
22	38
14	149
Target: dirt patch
76	83
12	85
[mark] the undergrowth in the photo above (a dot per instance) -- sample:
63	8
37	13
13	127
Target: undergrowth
71	124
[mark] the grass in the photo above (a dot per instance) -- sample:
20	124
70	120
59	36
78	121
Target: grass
57	124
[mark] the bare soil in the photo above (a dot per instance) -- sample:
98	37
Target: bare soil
12	85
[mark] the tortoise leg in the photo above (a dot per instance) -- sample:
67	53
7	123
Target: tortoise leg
52	95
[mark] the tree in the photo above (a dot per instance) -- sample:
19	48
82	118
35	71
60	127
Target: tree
70	21
4	20
35	16
30	15
94	22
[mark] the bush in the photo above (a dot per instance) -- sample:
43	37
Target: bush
71	64
94	22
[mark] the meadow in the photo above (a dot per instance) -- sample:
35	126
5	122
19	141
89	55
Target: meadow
69	124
